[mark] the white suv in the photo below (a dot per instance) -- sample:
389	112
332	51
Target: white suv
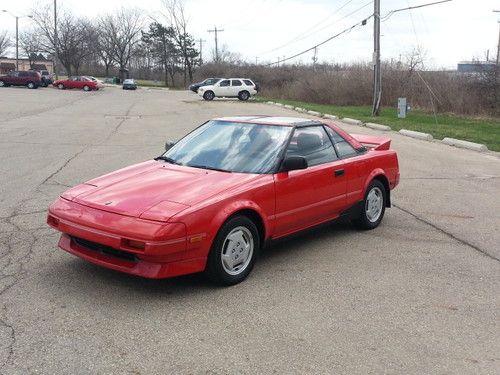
241	88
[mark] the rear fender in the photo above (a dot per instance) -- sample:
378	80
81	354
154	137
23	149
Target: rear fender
375	173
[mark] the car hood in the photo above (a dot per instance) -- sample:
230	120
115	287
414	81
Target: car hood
154	189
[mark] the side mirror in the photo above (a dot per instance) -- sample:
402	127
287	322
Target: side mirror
169	145
292	163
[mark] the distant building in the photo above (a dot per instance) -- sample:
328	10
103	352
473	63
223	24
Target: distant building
475	66
40	63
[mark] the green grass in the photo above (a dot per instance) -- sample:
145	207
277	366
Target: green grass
486	131
149	83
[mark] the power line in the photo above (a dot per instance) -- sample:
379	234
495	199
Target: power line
362	23
389	14
308	33
301	35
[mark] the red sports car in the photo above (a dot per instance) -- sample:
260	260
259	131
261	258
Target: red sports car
76	82
212	200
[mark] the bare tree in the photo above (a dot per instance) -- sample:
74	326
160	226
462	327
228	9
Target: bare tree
4	42
226	56
31	45
176	18
120	33
73	36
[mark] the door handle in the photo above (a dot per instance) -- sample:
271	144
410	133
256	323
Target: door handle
339	172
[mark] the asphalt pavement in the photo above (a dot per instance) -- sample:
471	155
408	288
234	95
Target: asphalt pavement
418	295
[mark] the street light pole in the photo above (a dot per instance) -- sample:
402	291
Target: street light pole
17	34
498	46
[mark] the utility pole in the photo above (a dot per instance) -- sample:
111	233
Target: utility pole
377	78
56	55
201	41
256	60
215	31
498	46
315	58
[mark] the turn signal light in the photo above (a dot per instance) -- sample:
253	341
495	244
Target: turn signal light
52	221
133	244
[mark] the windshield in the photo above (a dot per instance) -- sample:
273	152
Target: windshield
231	146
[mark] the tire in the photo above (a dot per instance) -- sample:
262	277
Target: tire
3	84
60	86
209	95
31	85
86	88
233	251
373	207
243	95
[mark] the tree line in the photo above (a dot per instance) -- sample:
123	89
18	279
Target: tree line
116	41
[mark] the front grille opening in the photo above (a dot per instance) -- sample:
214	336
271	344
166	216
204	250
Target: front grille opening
106	250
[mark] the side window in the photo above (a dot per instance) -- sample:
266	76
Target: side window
224	83
248	82
22	74
236	82
343	148
313	144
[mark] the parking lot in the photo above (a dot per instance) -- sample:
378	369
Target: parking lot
419	294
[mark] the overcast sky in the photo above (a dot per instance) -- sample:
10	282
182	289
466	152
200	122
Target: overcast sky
268	29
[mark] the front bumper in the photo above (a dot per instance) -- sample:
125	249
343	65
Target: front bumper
107	239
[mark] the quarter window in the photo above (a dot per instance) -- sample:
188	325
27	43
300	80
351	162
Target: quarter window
313	144
236	82
343	148
248	82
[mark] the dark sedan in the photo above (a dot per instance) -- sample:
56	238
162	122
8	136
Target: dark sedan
209	81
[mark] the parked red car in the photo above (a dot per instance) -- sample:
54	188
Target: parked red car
76	82
212	200
30	79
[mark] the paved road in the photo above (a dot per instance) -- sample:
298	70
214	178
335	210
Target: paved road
420	294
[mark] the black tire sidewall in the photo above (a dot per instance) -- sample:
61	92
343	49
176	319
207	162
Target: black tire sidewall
214	270
244	95
209	95
362	222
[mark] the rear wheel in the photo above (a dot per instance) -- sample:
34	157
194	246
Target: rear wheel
209	95
233	252
60	86
243	95
3	84
373	208
30	85
86	88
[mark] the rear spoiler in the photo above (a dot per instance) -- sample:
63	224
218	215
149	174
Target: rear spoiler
373	142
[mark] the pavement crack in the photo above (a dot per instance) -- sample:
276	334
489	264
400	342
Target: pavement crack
63	166
10	346
451	235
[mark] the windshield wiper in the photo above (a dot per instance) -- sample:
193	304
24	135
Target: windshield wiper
167	159
211	168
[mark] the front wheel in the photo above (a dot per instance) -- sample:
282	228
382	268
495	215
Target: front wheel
243	95
86	88
373	208
30	85
233	252
60	86
3	84
209	95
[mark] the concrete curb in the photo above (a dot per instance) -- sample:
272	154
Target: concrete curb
270	103
371	125
288	106
314	113
298	109
352	121
417	135
465	144
331	117
278	104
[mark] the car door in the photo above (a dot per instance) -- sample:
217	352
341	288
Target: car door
74	83
236	87
312	195
223	88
